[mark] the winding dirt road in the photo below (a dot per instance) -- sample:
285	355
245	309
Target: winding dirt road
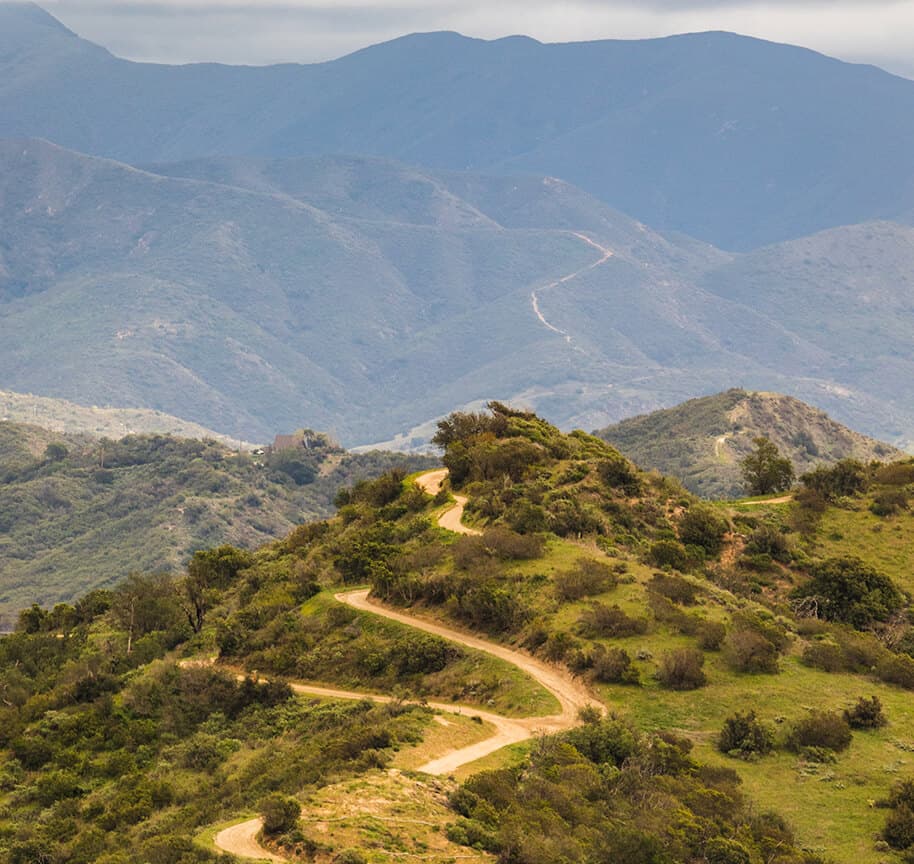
605	255
452	518
572	695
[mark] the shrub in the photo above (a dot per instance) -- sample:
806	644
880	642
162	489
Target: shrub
703	526
710	635
896	474
848	590
602	621
825	656
280	813
747	650
899	828
844	478
588	578
507	544
744	736
614	666
618	473
669	553
866	714
889	502
722	850
682	669
897	669
768	540
674	588
820	729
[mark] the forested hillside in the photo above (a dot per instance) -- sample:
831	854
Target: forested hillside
78	512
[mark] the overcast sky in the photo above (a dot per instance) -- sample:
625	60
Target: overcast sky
267	31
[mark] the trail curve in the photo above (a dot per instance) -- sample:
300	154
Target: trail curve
605	255
571	694
452	518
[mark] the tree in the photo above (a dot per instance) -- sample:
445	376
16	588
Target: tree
850	591
765	470
280	813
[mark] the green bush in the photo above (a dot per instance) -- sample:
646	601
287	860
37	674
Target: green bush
850	591
745	737
889	502
866	714
280	813
601	621
669	553
589	577
844	478
703	526
747	650
614	666
820	729
674	588
682	669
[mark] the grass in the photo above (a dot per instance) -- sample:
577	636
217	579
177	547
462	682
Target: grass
389	816
445	732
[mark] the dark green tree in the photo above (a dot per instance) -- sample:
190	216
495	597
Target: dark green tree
765	470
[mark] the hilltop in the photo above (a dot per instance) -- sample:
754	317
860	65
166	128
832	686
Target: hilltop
702	441
711	134
59	415
757	677
78	512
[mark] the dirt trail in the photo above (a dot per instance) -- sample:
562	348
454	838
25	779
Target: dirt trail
571	693
784	499
241	840
605	255
452	518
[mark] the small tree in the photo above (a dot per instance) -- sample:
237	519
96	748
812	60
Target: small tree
765	470
279	813
866	714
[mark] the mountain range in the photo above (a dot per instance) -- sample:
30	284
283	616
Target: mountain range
211	255
711	134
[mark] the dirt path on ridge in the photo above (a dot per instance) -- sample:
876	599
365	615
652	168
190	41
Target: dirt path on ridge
452	518
572	694
605	254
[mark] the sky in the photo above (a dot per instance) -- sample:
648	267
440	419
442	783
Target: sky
270	31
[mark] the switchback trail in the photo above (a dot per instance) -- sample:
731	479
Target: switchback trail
452	518
571	694
605	254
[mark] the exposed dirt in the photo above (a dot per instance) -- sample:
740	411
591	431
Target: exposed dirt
452	518
571	693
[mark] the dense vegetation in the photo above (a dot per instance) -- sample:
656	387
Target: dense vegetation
716	622
78	513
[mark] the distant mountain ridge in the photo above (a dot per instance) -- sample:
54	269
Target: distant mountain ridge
250	295
703	440
710	134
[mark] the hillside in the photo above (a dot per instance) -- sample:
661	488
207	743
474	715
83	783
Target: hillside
59	415
711	134
245	295
78	513
726	641
702	441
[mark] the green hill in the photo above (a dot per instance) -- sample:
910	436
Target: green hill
738	648
78	512
702	441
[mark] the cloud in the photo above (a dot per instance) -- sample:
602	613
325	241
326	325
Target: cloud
266	31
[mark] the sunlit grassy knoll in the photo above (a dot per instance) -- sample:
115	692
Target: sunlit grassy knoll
829	805
387	815
887	543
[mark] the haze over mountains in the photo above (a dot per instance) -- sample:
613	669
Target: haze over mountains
249	279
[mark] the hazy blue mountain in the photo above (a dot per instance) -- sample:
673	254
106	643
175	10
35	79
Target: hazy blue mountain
366	297
734	140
